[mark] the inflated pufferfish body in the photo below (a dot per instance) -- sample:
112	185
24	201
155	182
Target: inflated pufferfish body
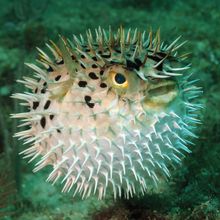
110	112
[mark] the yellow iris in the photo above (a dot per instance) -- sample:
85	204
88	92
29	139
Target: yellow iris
119	79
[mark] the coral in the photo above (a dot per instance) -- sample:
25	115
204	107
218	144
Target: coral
206	210
113	213
120	212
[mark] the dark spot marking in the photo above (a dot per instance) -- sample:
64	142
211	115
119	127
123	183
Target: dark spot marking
94	66
82	83
131	65
50	69
99	52
51	117
57	77
73	57
60	62
106	55
101	72
113	62
47	104
95	58
43	122
160	67
91	105
82	66
87	98
43	90
58	130
138	62
161	54
45	84
117	50
103	85
35	105
36	90
155	58
92	75
87	50
82	56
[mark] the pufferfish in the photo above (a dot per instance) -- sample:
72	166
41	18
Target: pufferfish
109	112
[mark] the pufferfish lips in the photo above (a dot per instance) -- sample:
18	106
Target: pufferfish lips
112	112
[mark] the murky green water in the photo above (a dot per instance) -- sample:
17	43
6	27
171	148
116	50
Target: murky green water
193	191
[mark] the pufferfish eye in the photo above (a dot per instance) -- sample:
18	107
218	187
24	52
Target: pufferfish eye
119	79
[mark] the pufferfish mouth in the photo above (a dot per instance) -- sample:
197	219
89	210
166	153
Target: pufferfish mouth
160	94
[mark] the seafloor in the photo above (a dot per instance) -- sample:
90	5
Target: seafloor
193	192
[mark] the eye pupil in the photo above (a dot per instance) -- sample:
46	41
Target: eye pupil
119	78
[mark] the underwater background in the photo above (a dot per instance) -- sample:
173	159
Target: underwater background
193	192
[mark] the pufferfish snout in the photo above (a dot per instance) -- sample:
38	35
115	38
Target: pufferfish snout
109	112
